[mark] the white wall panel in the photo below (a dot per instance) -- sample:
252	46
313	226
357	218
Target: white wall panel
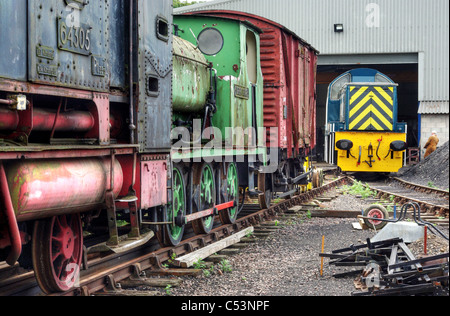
370	27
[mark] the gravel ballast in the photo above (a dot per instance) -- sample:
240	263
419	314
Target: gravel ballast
287	263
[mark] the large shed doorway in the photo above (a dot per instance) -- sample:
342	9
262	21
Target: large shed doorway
404	72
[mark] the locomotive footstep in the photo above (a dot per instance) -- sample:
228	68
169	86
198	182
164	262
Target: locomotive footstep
124	245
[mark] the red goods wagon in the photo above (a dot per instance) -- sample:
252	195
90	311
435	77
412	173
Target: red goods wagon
289	68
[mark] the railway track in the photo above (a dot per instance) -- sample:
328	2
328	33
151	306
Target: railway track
433	202
104	273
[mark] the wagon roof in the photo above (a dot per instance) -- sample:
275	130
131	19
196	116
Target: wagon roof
234	18
242	15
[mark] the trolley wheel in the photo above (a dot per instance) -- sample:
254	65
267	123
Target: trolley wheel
376	211
232	194
204	184
57	249
264	185
173	233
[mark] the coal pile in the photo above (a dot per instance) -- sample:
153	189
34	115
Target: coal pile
432	171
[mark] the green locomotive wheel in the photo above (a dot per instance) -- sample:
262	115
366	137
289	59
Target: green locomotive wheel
174	233
204	183
232	184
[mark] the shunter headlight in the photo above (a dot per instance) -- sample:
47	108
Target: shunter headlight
399	146
344	144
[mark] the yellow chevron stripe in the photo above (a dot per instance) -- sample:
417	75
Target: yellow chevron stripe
388	112
360	104
360	117
373	122
385	95
365	125
383	119
376	125
384	115
369	122
380	103
358	94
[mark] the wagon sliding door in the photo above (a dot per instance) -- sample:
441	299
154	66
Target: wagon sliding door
155	75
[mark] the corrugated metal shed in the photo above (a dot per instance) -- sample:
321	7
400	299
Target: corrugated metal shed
434	108
370	27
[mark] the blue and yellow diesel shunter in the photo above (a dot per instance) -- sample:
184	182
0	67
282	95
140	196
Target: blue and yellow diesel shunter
362	132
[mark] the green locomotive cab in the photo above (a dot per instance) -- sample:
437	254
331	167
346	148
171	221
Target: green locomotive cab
233	91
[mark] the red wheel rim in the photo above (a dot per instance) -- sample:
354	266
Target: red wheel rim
57	250
375	213
66	248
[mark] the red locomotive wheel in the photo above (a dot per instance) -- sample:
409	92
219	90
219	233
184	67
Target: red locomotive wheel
57	252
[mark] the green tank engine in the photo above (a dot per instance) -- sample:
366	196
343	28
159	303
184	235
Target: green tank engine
217	77
217	108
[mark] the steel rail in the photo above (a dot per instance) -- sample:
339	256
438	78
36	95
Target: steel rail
430	208
422	188
140	260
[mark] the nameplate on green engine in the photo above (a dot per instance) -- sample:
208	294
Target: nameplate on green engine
241	92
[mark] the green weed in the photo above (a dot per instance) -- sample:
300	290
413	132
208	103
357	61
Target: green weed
225	266
358	188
